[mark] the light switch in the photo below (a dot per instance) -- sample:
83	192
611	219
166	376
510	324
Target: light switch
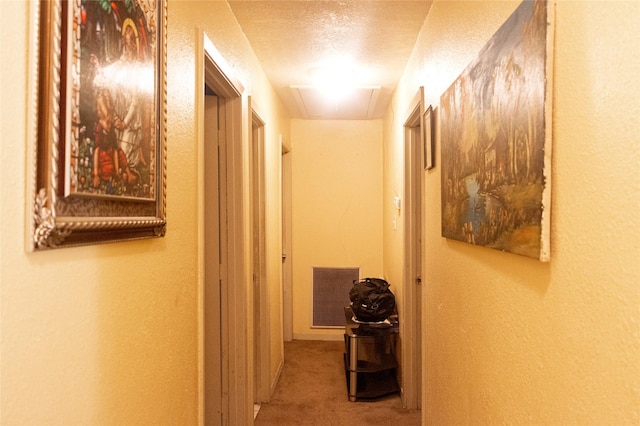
396	202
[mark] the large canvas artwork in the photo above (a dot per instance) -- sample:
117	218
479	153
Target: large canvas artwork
495	127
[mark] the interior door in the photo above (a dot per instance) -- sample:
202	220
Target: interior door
412	283
212	308
415	242
231	313
287	287
261	314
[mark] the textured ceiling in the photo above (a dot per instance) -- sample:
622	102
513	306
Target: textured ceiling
293	40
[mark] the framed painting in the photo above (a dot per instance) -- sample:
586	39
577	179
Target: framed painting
495	135
99	133
427	125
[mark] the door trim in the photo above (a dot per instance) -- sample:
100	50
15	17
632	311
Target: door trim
411	321
287	258
237	405
209	221
260	289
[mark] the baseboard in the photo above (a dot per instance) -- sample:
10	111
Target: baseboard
324	337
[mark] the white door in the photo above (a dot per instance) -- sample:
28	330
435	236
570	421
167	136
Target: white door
415	252
212	317
412	286
287	287
261	315
225	306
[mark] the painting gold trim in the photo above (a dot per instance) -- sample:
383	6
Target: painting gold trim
63	214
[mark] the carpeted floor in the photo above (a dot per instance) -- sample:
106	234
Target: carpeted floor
312	391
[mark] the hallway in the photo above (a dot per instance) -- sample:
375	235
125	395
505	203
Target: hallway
312	391
113	334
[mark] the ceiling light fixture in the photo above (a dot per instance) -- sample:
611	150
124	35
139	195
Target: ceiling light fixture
335	80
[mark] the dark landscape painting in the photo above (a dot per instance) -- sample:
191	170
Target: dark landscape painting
495	144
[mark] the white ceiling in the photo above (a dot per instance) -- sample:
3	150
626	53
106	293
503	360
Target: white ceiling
294	40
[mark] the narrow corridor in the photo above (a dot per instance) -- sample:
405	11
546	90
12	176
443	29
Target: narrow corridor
312	391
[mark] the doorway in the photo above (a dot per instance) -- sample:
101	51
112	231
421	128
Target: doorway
287	285
412	285
212	273
261	315
224	286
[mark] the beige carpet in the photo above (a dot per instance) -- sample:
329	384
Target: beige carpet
312	391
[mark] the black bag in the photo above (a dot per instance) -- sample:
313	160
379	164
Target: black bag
371	300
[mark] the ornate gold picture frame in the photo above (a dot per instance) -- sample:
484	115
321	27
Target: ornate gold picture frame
99	122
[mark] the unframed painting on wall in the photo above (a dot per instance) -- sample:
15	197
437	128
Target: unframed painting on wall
495	126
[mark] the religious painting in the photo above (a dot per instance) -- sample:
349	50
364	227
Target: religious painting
495	127
100	149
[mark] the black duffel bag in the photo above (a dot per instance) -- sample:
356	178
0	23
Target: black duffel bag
371	300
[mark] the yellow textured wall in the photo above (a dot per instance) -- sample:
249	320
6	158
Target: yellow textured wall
109	334
337	195
508	339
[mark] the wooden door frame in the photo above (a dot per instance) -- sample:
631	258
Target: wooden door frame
287	258
260	295
209	222
237	388
411	321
